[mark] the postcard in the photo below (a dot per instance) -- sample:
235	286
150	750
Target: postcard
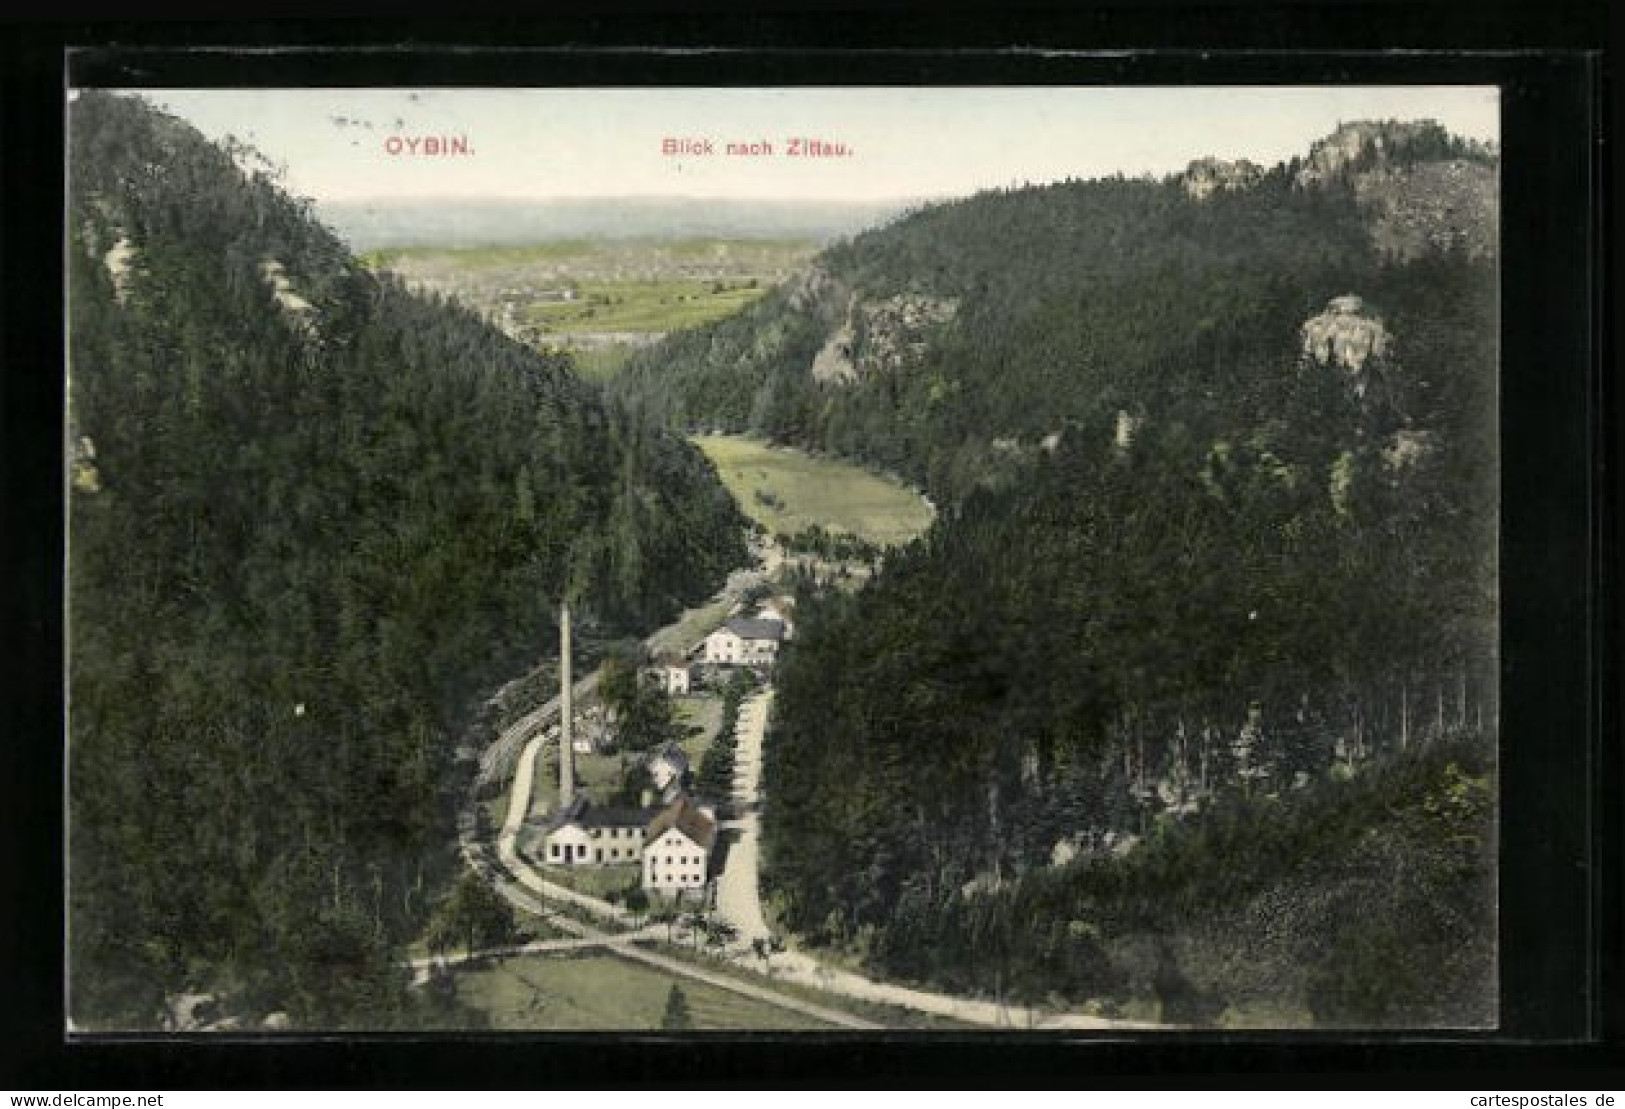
793	558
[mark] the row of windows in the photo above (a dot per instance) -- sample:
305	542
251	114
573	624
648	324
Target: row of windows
618	833
569	851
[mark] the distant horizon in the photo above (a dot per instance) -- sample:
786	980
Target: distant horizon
848	145
650	198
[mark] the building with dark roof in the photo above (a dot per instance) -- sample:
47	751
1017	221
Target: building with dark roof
744	641
589	834
677	848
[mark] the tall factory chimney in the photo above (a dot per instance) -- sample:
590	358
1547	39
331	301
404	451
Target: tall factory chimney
567	764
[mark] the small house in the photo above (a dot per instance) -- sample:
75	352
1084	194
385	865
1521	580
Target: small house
671	678
744	642
677	848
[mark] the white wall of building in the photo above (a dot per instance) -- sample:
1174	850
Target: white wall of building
674	863
568	846
725	647
573	845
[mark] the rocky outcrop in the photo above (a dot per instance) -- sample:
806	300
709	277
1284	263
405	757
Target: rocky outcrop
1357	147
894	329
1434	206
298	311
1347	337
119	260
1206	176
833	364
881	336
1422	188
807	288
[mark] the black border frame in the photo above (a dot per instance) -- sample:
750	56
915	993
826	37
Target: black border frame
1560	919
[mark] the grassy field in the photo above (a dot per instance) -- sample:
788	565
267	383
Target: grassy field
704	713
604	256
596	881
602	361
601	992
801	491
642	306
600	299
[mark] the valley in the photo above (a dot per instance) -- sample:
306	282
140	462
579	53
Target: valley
1070	605
599	299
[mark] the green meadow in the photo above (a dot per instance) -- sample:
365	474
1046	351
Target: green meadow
602	992
600	299
643	305
788	491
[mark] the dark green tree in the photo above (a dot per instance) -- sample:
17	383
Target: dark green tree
677	1017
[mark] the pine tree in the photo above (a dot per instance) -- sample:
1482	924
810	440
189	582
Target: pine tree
677	1017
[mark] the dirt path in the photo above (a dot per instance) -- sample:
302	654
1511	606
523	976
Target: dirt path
739	902
624	945
738	891
739	899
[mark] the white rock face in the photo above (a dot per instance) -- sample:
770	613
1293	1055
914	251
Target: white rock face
1344	335
833	362
1206	176
119	260
300	312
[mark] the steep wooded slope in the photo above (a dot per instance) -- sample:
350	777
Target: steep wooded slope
1218	478
312	515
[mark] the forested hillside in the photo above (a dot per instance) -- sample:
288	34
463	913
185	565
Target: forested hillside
312	518
952	342
1211	596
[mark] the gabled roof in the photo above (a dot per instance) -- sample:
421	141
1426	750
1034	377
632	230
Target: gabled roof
756	628
687	818
584	812
674	756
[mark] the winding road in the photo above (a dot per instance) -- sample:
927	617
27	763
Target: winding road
738	885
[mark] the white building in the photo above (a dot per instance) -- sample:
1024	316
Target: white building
742	642
672	678
586	834
677	848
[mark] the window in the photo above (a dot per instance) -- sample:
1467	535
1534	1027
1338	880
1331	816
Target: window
553	851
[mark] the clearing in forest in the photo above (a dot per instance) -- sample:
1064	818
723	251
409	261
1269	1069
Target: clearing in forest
788	491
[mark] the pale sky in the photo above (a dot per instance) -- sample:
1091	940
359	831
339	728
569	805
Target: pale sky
905	142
